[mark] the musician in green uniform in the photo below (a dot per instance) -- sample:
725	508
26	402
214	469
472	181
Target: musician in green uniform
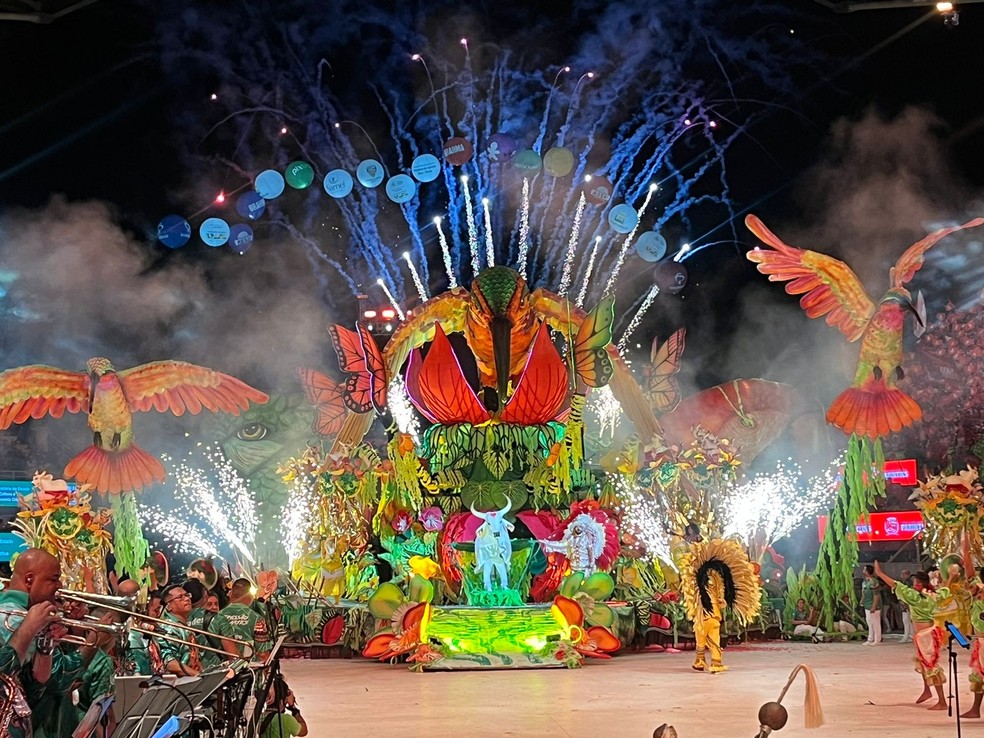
181	656
240	621
29	629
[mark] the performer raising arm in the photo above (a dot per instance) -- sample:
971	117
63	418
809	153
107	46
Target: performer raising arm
928	637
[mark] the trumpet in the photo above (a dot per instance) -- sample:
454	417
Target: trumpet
117	630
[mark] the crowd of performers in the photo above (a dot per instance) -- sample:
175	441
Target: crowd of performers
951	594
58	656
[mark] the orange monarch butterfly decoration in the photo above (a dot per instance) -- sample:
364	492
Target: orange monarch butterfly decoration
325	394
663	390
591	359
360	358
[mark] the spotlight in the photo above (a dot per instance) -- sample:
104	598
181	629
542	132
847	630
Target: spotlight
713	124
567	69
220	198
338	125
590	75
686	121
587	177
406	255
464	42
283	130
415	57
379	281
437	220
464	179
944	7
485	201
653	187
213	96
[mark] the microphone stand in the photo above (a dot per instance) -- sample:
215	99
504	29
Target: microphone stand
953	697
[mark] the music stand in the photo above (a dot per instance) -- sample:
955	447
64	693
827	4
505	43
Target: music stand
272	669
160	702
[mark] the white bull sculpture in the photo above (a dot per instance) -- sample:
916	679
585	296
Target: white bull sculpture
493	549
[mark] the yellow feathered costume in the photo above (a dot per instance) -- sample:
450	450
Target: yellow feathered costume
713	576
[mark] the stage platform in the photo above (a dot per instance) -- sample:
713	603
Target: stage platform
867	692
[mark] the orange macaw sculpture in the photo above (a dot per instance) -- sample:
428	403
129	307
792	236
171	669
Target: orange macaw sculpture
114	463
872	406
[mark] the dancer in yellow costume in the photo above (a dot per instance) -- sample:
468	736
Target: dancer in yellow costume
713	576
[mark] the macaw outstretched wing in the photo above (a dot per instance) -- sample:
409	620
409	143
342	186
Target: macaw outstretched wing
828	285
910	262
179	386
35	391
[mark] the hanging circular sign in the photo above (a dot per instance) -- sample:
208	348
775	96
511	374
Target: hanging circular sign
299	175
400	189
250	205
214	232
651	246
598	191
173	231
500	147
269	184
670	276
338	183
527	160
458	151
559	162
241	238
426	168
370	173
622	218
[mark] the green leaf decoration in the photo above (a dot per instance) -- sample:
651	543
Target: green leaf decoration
498	450
599	586
601	614
860	487
572	584
385	600
492	495
421	590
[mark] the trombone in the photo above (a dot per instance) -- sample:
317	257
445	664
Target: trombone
126	606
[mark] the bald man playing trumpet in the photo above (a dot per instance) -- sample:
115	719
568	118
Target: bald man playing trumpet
30	631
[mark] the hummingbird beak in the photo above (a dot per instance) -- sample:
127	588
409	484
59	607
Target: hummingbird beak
93	381
501	354
919	310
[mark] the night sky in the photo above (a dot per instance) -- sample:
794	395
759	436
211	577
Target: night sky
89	116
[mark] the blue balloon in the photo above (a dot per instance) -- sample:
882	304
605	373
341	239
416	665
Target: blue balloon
426	167
214	232
173	231
338	183
250	205
651	246
241	238
400	189
370	173
269	184
623	218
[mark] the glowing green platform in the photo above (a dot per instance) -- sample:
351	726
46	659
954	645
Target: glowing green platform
526	637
